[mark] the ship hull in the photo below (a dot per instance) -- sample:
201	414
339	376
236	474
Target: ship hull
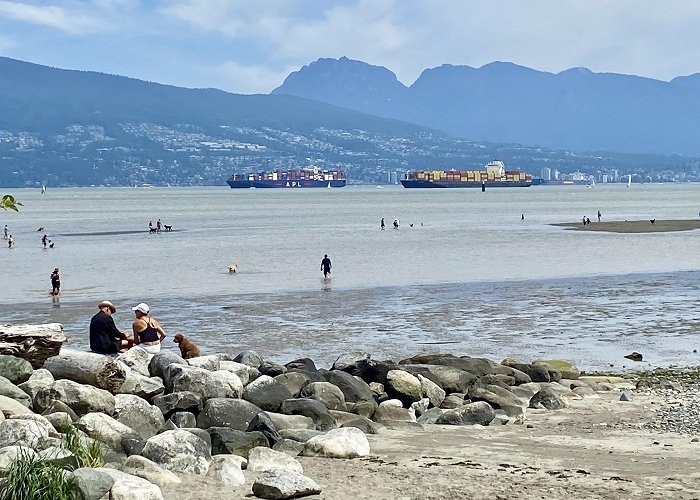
285	183
411	183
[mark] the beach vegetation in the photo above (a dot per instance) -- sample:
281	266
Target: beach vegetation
86	454
9	202
29	478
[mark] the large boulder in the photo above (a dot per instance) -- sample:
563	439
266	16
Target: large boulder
198	380
91	484
347	442
403	386
22	395
548	399
178	401
284	483
250	358
328	394
159	362
354	390
107	430
266	393
509	371
244	372
211	363
290	421
223	412
82	399
568	370
476	366
26	433
140	385
183	419
262	458
230	379
469	414
301	364
293	381
136	359
137	414
498	398
39	379
226	469
537	373
311	408
431	390
230	441
262	423
14	369
10	407
449	378
128	487
150	471
349	361
390	414
179	451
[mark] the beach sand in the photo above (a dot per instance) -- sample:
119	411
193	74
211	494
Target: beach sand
634	226
595	449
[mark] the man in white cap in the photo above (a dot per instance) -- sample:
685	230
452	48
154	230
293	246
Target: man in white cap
105	338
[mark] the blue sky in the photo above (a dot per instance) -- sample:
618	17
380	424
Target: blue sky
249	46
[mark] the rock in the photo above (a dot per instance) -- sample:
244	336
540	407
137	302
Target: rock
211	363
362	408
347	442
230	379
520	377
396	403
10	407
57	455
431	416
537	373
250	358
39	379
634	356
293	381
300	435
262	459
547	398
60	407
91	484
288	446
105	429
554	374
82	399
128	487
245	373
136	359
183	419
353	390
178	451
9	454
626	396
140	385
377	388
148	470
137	414
476	366
223	412
262	423
272	369
14	369
198	380
447	377
178	401
61	421
452	401
498	398
290	421
585	392
566	369
226	469
265	393
403	386
366	425
303	364
431	390
26	433
230	441
200	433
159	362
9	390
328	394
348	362
311	408
371	370
282	483
40	419
388	414
473	413
133	444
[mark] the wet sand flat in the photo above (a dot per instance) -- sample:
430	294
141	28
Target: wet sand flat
634	226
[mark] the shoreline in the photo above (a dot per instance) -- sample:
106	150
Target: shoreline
634	226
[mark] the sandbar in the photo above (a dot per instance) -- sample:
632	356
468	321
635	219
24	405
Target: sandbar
634	226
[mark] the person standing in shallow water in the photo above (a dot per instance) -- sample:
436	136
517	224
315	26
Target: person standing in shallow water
44	240
599	215
55	282
326	266
381	224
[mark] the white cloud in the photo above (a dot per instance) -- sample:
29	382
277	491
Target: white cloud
56	17
251	79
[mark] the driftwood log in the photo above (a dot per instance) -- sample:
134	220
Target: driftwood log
35	343
87	368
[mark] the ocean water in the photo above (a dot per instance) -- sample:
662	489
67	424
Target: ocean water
469	277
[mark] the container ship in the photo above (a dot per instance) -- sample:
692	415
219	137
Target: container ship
302	178
495	175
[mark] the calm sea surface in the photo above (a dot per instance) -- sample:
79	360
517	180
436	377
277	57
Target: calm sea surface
469	277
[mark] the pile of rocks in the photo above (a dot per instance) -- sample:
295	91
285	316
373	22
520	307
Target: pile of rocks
216	415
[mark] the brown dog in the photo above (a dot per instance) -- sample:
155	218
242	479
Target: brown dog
188	349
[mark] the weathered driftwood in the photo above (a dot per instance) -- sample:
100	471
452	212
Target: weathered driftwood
87	368
35	343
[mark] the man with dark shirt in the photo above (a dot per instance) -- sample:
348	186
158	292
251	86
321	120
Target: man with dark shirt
326	266
105	338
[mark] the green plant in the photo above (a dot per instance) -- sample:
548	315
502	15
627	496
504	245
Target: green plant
86	454
27	478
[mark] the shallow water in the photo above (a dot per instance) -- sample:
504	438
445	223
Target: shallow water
472	279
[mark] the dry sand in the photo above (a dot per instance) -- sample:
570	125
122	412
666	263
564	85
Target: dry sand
595	449
634	226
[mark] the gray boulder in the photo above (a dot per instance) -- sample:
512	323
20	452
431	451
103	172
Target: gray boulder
19	394
537	373
128	487
178	401
91	484
476	366
519	376
293	381
498	398
469	414
431	390
223	412
266	393
9	454
311	408
26	433
137	414
403	386
178	451
82	399
198	380
347	442
150	471
14	369
452	401
349	361
159	362
548	399
288	446
244	372
449	378
211	363
387	414
60	421
232	381
136	359
250	358
431	416
226	469
353	389
105	429
39	379
140	385
234	442
328	394
300	435
272	369
262	459
183	419
262	423
282	421
10	407
283	483
302	364
60	407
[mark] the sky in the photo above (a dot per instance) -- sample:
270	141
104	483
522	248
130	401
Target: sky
250	46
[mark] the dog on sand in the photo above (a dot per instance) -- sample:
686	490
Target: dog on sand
153	230
168	228
188	349
233	269
653	221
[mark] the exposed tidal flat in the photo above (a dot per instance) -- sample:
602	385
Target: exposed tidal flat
470	277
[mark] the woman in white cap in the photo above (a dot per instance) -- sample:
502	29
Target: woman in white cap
148	334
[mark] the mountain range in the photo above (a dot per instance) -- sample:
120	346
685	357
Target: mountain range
65	128
502	102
